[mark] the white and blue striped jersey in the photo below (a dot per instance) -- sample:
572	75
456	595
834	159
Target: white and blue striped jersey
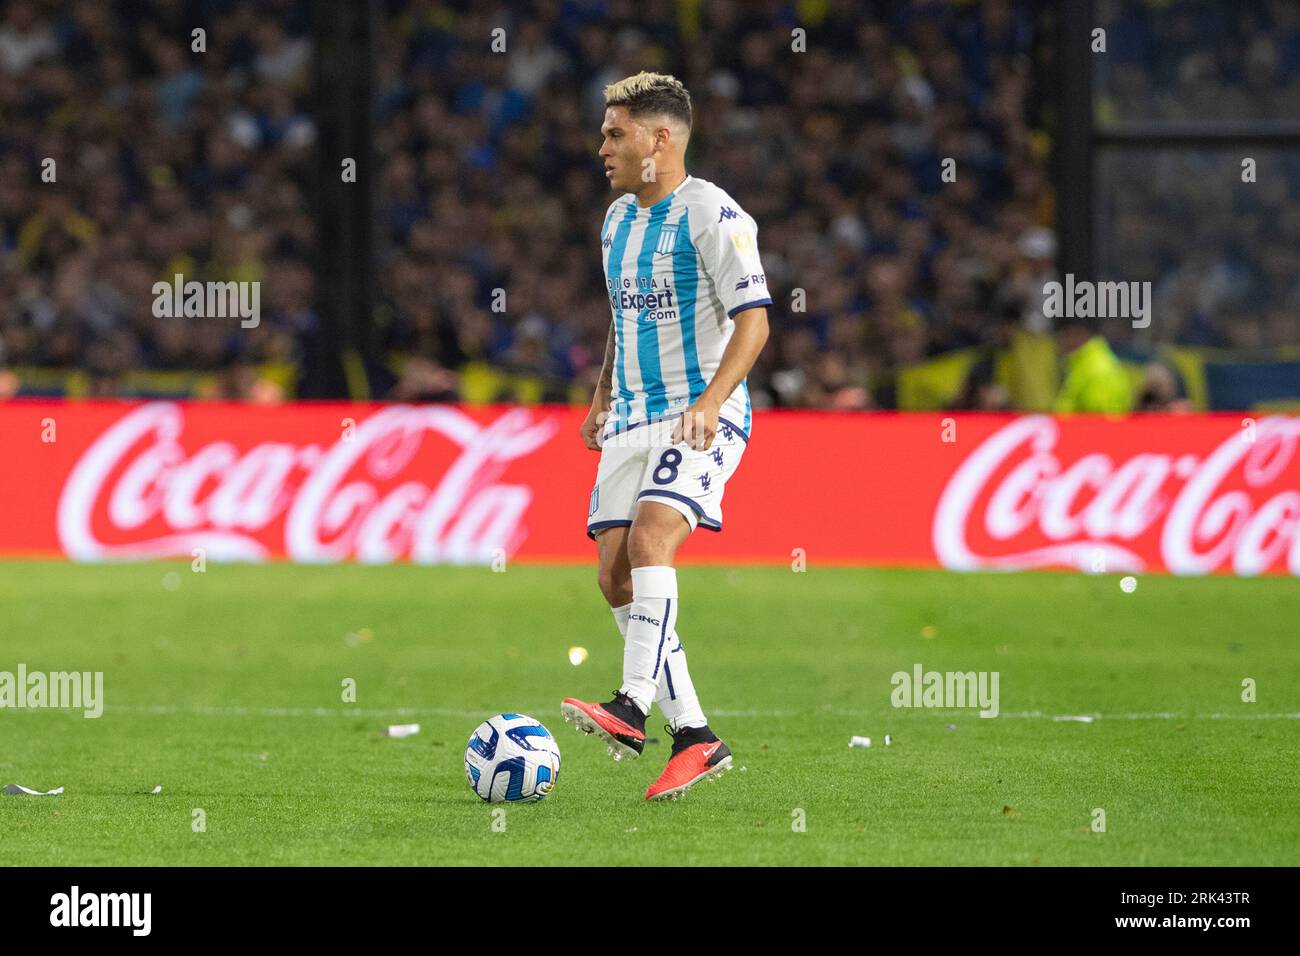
676	273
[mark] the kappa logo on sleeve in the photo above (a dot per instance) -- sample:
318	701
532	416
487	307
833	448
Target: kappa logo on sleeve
727	213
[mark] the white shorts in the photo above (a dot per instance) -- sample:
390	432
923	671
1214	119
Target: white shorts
642	464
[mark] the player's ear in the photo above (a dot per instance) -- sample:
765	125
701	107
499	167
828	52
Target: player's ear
674	135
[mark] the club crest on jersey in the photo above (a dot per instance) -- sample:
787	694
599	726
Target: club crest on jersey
667	241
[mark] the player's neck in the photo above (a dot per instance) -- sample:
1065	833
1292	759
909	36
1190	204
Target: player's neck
662	186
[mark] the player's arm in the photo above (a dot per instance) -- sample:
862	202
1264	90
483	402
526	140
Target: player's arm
700	422
600	401
729	251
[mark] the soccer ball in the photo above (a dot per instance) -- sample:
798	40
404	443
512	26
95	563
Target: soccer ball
512	758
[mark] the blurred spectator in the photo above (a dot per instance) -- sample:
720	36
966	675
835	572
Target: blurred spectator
1161	390
423	380
1093	379
25	38
981	391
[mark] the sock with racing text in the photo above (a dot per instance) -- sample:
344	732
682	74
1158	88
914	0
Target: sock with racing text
650	622
676	692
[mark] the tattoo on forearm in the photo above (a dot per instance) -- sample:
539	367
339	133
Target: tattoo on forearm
607	369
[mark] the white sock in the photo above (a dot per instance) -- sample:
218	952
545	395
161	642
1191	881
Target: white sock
676	696
651	620
620	618
676	693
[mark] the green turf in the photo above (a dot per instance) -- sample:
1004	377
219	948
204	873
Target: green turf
226	691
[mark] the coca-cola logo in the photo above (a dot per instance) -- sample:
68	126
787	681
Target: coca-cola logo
137	492
1030	508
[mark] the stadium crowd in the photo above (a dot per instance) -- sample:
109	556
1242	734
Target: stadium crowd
171	160
1221	244
126	157
492	180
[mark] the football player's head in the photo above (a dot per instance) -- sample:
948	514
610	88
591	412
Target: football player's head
646	128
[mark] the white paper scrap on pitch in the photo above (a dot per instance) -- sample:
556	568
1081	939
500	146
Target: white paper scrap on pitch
16	788
403	730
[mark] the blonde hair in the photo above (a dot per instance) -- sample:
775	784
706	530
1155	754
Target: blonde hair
651	94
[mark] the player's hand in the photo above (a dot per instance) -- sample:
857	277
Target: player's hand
591	428
698	425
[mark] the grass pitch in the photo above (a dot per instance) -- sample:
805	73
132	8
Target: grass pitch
225	689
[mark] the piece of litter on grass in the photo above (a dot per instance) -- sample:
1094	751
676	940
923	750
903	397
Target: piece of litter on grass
859	741
1081	718
403	730
157	789
362	635
16	789
950	727
887	740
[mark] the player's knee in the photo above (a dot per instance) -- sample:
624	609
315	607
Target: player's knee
616	588
648	546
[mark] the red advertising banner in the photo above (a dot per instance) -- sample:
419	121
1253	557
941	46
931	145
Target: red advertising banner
437	483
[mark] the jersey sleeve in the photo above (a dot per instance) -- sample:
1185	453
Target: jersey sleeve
729	248
609	220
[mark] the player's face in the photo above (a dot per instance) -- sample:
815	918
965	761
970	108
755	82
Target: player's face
627	144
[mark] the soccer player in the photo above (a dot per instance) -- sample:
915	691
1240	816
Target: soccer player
671	414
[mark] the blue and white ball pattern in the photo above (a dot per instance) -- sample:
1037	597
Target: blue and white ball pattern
512	758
